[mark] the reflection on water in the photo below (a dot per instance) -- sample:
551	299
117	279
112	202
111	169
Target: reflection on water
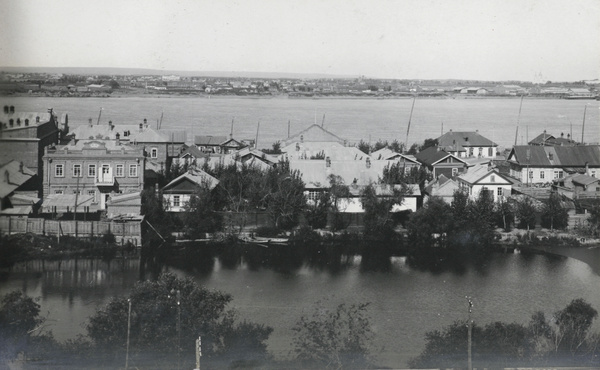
274	289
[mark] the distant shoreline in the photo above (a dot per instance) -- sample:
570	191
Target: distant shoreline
280	96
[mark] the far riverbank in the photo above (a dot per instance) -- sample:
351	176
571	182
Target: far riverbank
587	254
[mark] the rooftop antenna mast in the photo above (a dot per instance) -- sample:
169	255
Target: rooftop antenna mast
583	125
161	117
231	132
409	119
518	119
323	121
288	128
99	114
257	130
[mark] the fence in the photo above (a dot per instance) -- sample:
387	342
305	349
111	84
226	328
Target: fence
253	220
124	231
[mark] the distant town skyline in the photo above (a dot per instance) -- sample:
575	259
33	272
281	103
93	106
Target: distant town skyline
489	40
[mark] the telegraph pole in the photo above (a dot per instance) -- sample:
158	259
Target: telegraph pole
128	329
198	352
469	335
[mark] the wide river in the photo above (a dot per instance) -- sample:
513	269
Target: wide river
352	119
405	302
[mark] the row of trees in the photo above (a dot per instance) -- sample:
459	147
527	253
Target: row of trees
564	339
158	322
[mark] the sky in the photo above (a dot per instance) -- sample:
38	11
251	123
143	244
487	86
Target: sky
526	40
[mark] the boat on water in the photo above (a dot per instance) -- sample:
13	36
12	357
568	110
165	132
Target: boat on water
262	241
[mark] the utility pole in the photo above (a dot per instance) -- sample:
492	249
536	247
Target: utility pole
178	329
469	335
583	125
198	352
128	330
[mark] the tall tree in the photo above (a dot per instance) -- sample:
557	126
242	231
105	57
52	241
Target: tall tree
334	339
554	214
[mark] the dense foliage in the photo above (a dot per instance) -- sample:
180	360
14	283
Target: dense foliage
334	339
168	315
562	340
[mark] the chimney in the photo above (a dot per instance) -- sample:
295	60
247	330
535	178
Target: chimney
21	167
328	162
562	134
111	125
118	138
301	138
145	122
141	127
90	122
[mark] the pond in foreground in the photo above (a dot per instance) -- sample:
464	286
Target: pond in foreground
405	302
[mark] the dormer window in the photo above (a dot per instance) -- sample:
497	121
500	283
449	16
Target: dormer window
550	156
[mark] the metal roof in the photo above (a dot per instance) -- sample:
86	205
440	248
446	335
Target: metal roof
16	174
465	139
562	156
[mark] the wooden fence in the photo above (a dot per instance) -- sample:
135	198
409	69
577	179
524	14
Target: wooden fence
124	231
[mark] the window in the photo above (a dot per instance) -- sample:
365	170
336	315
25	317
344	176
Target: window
120	170
76	170
490	152
176	200
556	174
91	170
92	193
59	170
454	172
470	152
58	191
480	151
153	153
493	178
132	170
500	192
542	175
313	195
560	174
531	174
78	192
550	156
593	173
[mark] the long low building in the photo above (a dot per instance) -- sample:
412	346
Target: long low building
534	164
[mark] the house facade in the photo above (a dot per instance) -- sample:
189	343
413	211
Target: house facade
95	168
177	193
440	162
467	144
533	164
484	179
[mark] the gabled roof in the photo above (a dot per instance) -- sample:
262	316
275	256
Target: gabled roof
209	140
431	156
66	203
562	156
193	178
584	179
333	150
388	154
174	136
315	172
478	173
313	133
17	175
192	151
541	139
464	138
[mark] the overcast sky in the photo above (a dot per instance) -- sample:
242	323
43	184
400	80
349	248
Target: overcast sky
426	39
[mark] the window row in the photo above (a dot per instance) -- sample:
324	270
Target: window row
59	170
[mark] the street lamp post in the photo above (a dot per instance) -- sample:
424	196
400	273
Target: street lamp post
469	334
178	327
128	330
